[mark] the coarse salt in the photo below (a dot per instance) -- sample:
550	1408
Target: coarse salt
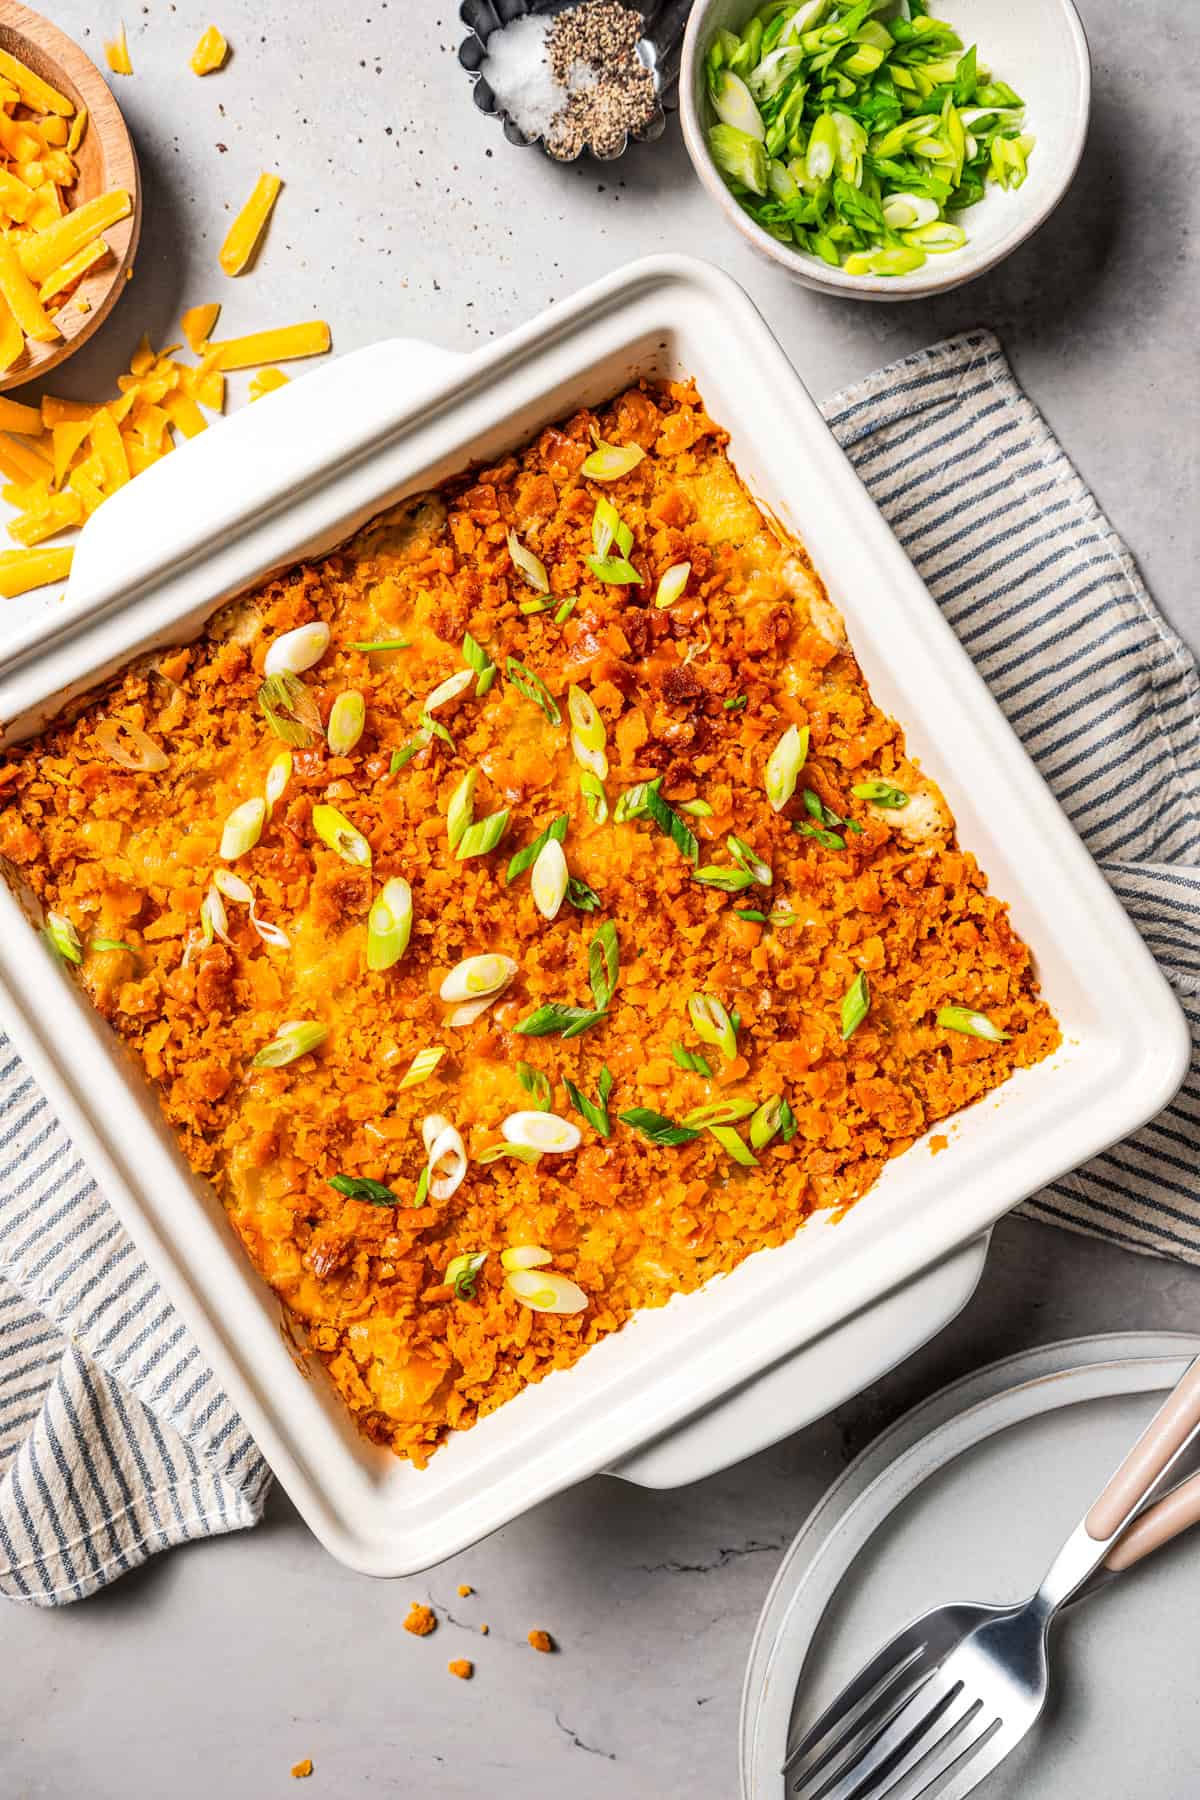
517	70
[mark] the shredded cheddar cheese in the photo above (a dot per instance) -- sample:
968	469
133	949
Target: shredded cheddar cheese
266	381
46	250
26	421
37	94
249	225
72	269
116	53
210	52
280	345
198	323
21	570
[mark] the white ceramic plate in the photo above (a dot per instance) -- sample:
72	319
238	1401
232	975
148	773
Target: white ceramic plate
967	1498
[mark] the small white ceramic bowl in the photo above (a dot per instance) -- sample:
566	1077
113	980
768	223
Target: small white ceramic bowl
1037	46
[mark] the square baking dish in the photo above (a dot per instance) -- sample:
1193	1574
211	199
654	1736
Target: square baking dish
297	473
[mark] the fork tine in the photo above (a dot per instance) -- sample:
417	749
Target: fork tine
906	1736
862	1726
918	1772
959	1768
900	1653
853	1709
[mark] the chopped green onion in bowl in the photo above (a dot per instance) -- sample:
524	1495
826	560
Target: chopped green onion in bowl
389	924
858	139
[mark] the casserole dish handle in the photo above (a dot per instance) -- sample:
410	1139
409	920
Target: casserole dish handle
817	1378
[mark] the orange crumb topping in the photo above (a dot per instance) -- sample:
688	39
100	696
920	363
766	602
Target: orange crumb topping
462	1667
128	856
541	1640
421	1620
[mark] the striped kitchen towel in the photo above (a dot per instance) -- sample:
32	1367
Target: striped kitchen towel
114	1439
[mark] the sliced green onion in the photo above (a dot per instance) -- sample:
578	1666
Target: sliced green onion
750	860
531	566
719	1112
822	151
739	156
389	924
880	793
292	1040
63	938
855	1005
360	1187
594	796
586	723
233	887
525	858
594	1111
730	1142
347	718
536	1085
290	710
278	776
700	809
643	800
607	529
461	1272
483	836
816	809
242	829
103	943
672	583
335	830
730	881
548	879
477	658
734	105
899	260
461	809
712	1024
784	765
421	1067
657	1127
783	916
421	1192
903	211
448	690
531	608
533	687
544	1291
431	727
583	898
604	964
542	1131
692	1061
478	976
518	1152
750	915
766	1122
524	1256
556	1020
369	645
609	462
566	609
617	571
830	839
936	238
297	650
735	703
974	1024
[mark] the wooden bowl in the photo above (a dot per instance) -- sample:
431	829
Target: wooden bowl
106	159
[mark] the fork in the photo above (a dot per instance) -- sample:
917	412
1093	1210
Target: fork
948	1698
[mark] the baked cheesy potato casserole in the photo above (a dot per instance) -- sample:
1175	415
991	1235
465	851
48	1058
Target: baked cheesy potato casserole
523	912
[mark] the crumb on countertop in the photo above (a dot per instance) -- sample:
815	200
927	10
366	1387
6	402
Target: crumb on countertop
541	1640
484	1629
940	1142
421	1620
461	1667
465	1590
302	1770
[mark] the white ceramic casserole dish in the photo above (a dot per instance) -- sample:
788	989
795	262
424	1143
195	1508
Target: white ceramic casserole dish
692	1386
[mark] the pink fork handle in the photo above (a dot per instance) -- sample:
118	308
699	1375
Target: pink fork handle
1157	1526
1167	1431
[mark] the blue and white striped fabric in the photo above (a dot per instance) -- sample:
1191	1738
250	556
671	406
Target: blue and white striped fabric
114	1438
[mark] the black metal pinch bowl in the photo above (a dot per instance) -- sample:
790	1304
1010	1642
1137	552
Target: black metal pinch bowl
658	51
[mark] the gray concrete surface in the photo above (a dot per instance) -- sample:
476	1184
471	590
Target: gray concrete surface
215	1669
